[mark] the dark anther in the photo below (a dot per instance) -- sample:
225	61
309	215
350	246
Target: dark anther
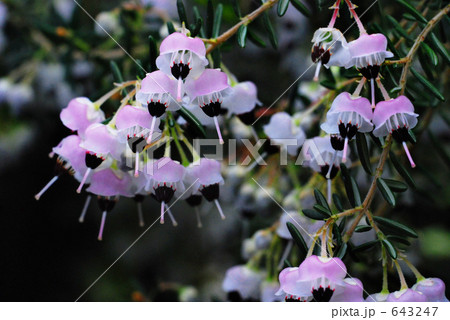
211	192
401	134
92	161
292	299
164	193
316	53
61	167
156	109
322	295
212	109
137	144
320	54
370	72
326	57
324	170
194	200
247	118
180	70
337	142
106	204
347	131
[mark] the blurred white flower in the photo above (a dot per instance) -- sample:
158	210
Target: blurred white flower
18	96
109	22
64	8
5	85
82	69
3	14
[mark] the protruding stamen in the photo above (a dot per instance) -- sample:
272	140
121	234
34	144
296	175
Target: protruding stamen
172	218
220	209
286	252
316	74
344	152
136	165
162	213
411	161
216	121
86	206
140	214
180	84
152	127
88	171
102	226
329	191
331	165
372	92
48	185
199	220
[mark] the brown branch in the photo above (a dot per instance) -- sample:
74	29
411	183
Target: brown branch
430	25
244	21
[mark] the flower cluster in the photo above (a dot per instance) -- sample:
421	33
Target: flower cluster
129	155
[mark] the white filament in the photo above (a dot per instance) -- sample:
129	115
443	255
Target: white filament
220	209
140	214
86	206
88	171
218	130
172	218
48	185
102	225
199	220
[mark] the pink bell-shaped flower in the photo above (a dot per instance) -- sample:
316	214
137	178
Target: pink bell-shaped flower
208	92
281	128
316	276
206	176
242	99
346	117
109	183
182	57
329	49
406	295
165	180
352	291
395	116
242	283
368	53
318	154
100	143
71	158
80	114
432	288
134	124
157	92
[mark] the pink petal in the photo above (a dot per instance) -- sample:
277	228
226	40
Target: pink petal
108	183
211	81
